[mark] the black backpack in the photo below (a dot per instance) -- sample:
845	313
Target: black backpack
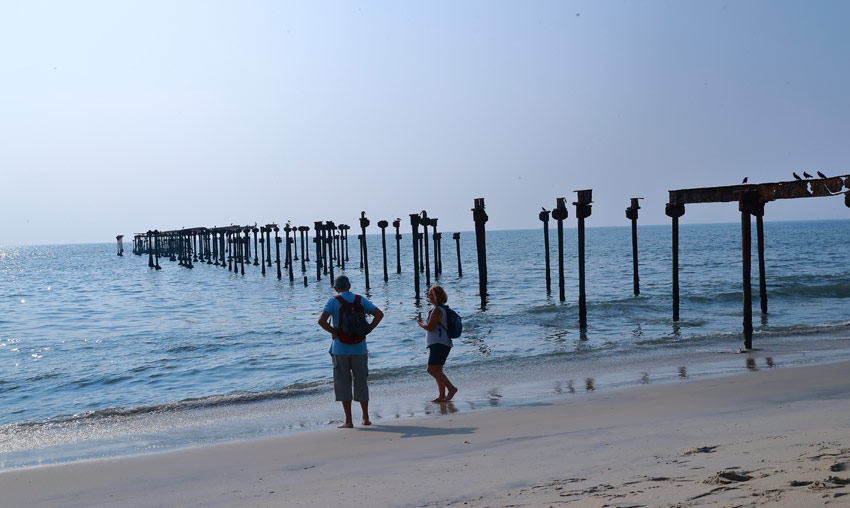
455	328
353	327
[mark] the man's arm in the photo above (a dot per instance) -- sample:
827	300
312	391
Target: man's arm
377	316
324	317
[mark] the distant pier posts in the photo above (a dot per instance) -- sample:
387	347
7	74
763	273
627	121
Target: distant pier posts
328	238
269	244
317	239
120	240
255	230
632	215
425	221
544	218
397	225
277	241
456	237
156	248
263	250
364	222
150	249
583	210
383	225
290	243
674	211
305	252
244	244
480	218
560	214
343	228
437	256
420	262
414	225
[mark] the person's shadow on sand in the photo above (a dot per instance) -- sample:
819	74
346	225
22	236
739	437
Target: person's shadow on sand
418	431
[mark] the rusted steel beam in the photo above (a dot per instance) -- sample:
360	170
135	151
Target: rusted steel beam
820	187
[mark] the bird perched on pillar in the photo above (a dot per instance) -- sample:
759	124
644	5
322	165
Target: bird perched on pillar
796	176
822	175
745	179
806	175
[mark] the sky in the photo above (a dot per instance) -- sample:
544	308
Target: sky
120	117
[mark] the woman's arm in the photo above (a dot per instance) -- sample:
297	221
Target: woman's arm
433	320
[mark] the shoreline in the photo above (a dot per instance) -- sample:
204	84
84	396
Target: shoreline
652	445
528	381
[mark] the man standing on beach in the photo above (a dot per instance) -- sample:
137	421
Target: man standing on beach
349	359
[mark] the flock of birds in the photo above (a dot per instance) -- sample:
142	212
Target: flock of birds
796	176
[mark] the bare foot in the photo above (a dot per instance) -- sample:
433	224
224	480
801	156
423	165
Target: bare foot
452	392
366	421
346	425
439	399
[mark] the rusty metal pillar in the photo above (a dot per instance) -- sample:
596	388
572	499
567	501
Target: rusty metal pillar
347	227
329	244
674	211
343	228
222	247
290	245
156	248
230	256
560	214
414	224
255	230
294	243
456	237
269	245
480	218
421	263
364	222
120	240
748	204
277	241
317	239
425	221
150	249
215	246
243	247
383	225
435	238
263	250
397	225
583	210
305	252
759	213
438	254
632	215
544	218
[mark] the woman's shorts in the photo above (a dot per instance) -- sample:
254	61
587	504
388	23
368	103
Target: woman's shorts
437	354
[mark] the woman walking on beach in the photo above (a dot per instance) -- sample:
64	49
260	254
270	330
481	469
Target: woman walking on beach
438	342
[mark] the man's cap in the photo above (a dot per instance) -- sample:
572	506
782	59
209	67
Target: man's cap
342	282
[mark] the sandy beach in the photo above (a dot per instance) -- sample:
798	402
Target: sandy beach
777	437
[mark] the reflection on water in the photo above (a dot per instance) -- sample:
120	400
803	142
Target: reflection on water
493	396
751	364
644	378
683	373
588	384
570	387
769	362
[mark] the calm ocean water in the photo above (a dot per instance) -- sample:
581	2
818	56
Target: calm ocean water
99	355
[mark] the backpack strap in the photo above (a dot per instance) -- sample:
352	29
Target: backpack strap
340	299
440	322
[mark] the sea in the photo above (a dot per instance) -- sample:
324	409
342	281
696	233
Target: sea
102	356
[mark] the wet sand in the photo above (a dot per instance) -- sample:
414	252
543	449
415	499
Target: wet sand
779	437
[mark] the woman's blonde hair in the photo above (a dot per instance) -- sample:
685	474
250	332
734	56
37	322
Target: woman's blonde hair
440	293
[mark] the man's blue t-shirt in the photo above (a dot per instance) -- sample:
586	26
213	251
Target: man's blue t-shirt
332	307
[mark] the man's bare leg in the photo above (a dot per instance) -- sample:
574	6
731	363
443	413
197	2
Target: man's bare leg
365	407
346	406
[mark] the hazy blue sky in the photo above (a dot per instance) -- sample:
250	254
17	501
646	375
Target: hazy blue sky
117	117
